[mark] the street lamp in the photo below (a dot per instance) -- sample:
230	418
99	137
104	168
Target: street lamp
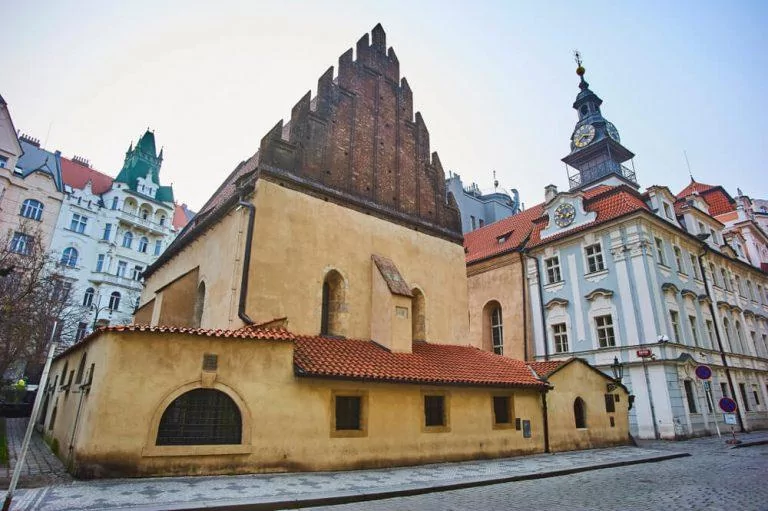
618	373
98	308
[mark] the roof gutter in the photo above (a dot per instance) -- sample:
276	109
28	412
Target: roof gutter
541	304
246	262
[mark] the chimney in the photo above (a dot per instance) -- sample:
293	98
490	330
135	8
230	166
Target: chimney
549	192
30	140
81	161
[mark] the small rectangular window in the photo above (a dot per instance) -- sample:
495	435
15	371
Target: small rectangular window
502	410
78	223
667	210
610	403
518	424
100	263
756	394
694	332
560	335
690	396
710	332
107	232
348	410
743	392
605	334
613	421
594	255
158	247
481	222
552	266
474	222
695	266
674	317
434	411
660	252
82	328
210	362
679	260
122	266
724	389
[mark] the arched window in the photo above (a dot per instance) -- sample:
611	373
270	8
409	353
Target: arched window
88	297
114	301
143	243
580	413
114	202
69	257
162	220
493	329
740	337
199	305
201	417
418	316
128	239
333	304
32	208
144	214
727	330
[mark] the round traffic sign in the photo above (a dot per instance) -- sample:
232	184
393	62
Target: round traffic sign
727	405
703	372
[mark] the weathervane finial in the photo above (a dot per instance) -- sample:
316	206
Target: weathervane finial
577	57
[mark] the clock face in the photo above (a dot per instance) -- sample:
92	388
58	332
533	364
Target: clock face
583	135
564	215
612	132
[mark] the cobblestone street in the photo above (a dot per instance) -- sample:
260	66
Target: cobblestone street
41	466
714	477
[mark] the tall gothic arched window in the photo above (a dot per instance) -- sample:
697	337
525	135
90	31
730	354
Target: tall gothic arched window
493	328
333	304
580	413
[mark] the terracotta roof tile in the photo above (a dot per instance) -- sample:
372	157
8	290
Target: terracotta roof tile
715	196
545	368
524	229
76	176
429	363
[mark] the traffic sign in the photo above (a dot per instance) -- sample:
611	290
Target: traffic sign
707	387
644	353
703	372
730	418
727	405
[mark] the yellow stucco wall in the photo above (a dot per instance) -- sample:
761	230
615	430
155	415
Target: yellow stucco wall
287	420
577	380
297	240
500	280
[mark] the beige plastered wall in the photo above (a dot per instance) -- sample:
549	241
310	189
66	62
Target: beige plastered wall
287	420
578	380
498	279
297	240
14	191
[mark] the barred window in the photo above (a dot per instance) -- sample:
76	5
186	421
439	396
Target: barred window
594	258
552	266
201	417
348	412
560	336
605	335
434	410
497	334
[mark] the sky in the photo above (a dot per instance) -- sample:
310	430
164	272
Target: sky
495	82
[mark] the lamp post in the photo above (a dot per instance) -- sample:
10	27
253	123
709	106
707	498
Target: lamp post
617	368
98	308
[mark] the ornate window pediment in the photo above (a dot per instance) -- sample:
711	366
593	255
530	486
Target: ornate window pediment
554	302
607	293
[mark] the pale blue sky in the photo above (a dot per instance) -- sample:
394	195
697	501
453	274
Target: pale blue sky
494	80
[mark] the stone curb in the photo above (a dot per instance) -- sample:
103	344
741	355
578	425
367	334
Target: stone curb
332	499
750	444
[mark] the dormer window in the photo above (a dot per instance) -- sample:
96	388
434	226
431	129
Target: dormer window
667	210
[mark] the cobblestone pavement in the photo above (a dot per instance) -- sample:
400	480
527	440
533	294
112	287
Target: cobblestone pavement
286	489
41	466
714	477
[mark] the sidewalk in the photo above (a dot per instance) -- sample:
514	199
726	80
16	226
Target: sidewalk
281	491
41	467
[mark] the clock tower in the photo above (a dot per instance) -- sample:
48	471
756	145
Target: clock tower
597	156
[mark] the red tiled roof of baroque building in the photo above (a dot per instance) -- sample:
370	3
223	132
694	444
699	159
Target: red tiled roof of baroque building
365	360
715	196
77	175
524	229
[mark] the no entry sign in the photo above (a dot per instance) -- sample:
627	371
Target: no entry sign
727	405
703	372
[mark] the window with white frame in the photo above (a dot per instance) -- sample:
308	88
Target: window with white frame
660	251
552	266
143	244
114	202
82	329
667	210
690	396
100	263
69	257
694	331
605	334
725	279
32	209
740	337
594	255
713	271
78	223
695	266
114	301
122	266
107	232
497	332
88	297
679	259
751	291
710	331
753	338
127	239
158	246
560	336
21	243
674	318
739	287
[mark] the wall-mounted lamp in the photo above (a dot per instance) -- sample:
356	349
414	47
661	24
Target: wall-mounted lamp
617	368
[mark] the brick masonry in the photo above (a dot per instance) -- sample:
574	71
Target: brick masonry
357	142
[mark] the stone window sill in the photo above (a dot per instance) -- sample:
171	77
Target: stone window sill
195	450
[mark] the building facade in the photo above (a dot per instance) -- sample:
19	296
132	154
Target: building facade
613	272
110	230
479	209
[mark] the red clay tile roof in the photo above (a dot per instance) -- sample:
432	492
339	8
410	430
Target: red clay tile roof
429	363
524	229
181	216
715	196
545	368
76	176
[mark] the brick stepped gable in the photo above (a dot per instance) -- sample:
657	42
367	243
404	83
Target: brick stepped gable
357	144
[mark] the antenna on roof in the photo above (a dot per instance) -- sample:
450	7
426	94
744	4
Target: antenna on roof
688	164
495	182
45	143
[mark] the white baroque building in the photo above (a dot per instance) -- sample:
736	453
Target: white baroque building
109	230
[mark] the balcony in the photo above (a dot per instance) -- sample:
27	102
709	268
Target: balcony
135	221
109	278
578	178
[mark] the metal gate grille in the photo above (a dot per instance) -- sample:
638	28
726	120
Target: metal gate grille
200	417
